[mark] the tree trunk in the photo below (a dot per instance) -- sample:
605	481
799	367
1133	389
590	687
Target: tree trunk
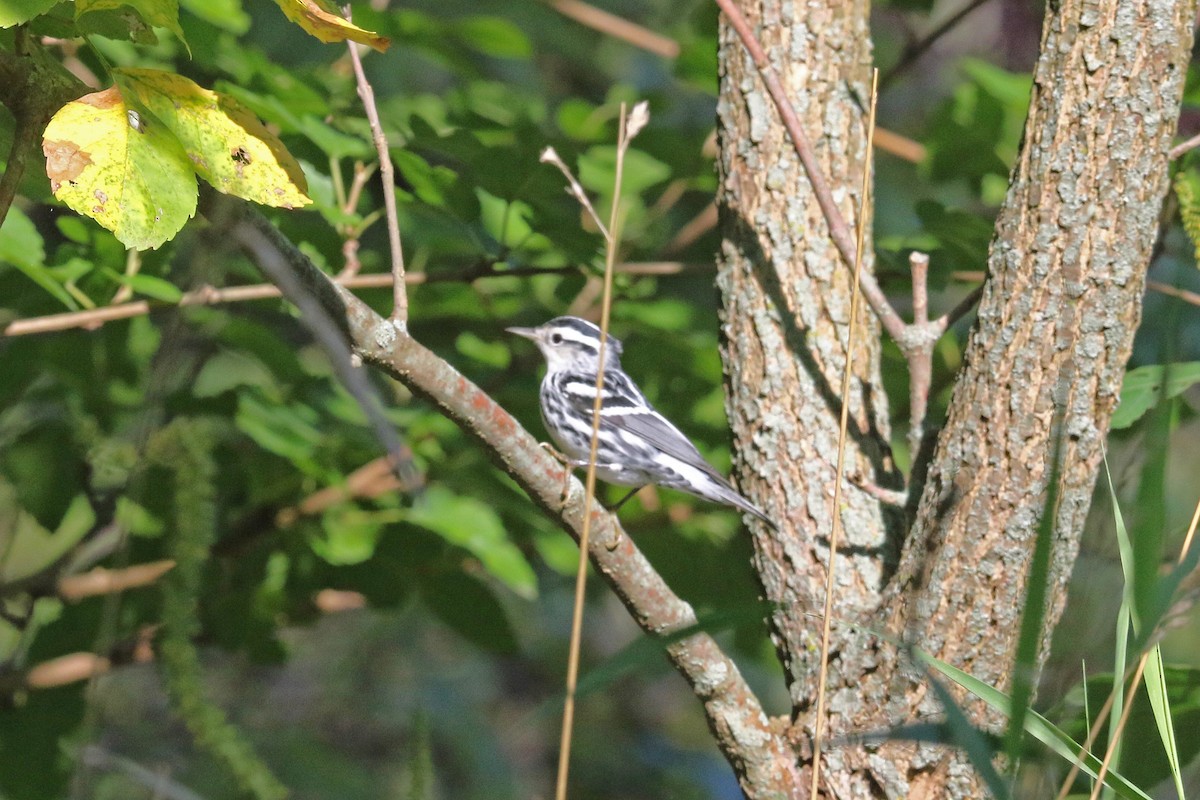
1055	327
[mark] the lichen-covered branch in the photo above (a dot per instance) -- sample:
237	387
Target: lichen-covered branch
761	757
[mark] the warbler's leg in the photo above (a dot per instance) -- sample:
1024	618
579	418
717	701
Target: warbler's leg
613	509
568	464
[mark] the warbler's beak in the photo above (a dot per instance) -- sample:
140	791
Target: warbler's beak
528	333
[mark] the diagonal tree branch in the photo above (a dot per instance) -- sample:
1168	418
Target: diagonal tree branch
763	760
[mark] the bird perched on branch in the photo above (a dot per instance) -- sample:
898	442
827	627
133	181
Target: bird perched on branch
636	444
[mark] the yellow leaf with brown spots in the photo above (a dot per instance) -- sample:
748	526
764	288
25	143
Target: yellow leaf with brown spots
323	21
109	162
225	142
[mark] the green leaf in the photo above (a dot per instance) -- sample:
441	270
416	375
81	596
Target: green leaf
1035	725
1156	690
21	246
20	243
1143	388
133	19
30	548
598	167
226	14
107	161
474	526
494	36
323	20
147	285
226	143
468	606
15	12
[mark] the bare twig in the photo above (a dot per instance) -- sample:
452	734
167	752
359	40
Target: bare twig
100	580
550	156
133	264
919	358
1174	291
836	530
351	264
839	230
913	52
1184	147
617	27
208	295
386	175
156	784
370	480
628	127
262	242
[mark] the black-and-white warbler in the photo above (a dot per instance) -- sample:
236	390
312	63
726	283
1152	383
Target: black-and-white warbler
636	444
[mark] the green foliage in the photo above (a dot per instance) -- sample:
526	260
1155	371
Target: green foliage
462	582
184	451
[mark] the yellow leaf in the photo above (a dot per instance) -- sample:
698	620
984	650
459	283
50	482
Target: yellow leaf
107	161
322	21
225	142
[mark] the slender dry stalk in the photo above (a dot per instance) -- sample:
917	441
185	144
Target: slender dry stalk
629	127
387	177
835	533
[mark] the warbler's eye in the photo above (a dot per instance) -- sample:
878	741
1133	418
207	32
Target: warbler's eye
556	338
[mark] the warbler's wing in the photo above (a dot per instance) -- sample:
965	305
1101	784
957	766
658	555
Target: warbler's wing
651	427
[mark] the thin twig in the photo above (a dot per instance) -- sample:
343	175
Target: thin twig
350	263
208	295
835	532
387	177
550	156
258	238
627	129
919	358
1174	291
915	50
133	264
1184	147
839	230
617	27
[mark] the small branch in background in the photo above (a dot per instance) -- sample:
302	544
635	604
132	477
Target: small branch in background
156	784
919	357
260	239
900	146
839	230
386	175
208	295
892	497
913	52
133	264
372	479
550	156
81	666
351	234
1184	147
617	27
693	229
102	581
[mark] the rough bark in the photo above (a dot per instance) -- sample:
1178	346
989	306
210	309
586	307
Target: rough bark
786	305
1055	326
1056	323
